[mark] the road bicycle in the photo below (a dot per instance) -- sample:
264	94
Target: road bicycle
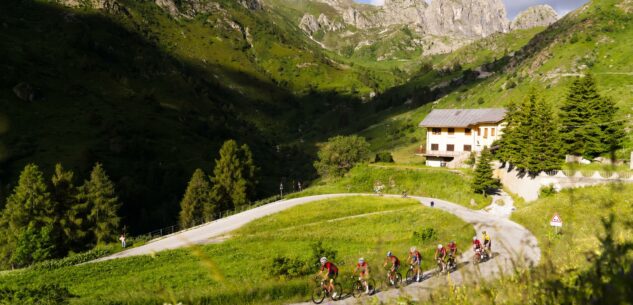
394	279
412	275
358	286
322	291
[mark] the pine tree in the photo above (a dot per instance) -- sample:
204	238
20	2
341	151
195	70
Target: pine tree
531	140
588	121
233	176
103	205
543	151
484	180
28	210
71	213
516	133
197	200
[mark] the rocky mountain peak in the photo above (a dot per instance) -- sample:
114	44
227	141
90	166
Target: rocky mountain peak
540	15
470	18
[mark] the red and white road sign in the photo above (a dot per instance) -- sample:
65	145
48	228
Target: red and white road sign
556	221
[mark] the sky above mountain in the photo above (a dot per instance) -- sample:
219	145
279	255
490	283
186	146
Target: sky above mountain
515	6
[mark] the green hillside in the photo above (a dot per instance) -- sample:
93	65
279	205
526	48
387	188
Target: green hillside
153	97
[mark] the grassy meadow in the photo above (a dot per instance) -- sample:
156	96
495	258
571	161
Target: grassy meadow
418	180
581	211
237	271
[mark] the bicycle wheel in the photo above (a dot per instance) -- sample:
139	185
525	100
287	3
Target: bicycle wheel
337	293
318	295
357	289
410	276
398	280
372	286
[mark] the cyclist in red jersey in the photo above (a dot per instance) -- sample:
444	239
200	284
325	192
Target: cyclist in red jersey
440	256
476	244
415	259
452	253
363	273
331	274
395	265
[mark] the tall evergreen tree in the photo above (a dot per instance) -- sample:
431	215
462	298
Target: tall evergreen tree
197	200
543	152
531	140
103	205
71	212
588	121
29	209
483	180
233	176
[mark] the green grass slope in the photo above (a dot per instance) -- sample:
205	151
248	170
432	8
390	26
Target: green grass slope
153	97
236	271
450	185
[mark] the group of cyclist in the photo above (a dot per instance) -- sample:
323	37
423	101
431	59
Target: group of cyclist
445	256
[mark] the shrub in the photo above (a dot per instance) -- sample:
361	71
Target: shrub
47	294
547	190
426	234
72	260
282	266
340	154
384	157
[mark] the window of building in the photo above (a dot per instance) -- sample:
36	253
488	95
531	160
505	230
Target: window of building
451	131
468	131
450	147
468	148
479	132
435	147
492	132
437	131
485	133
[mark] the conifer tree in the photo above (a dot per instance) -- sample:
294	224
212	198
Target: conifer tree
28	210
71	213
197	200
103	205
531	140
483	179
233	176
588	122
543	150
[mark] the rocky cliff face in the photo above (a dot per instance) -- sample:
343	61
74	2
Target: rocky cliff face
474	18
540	15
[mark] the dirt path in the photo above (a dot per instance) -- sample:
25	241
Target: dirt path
512	244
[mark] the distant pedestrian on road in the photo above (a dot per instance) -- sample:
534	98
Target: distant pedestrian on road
432	203
122	239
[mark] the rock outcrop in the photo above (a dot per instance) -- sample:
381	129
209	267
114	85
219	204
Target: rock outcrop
540	15
252	4
311	24
466	18
25	92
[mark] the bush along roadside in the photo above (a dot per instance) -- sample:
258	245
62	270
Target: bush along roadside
46	294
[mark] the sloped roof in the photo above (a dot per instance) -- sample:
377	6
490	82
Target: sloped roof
462	117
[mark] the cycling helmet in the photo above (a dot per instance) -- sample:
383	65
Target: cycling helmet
389	254
474	238
440	246
412	249
361	260
323	260
484	232
452	242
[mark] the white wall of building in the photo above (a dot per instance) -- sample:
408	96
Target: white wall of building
480	136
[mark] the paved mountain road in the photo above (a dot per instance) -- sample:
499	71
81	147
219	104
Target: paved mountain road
512	244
